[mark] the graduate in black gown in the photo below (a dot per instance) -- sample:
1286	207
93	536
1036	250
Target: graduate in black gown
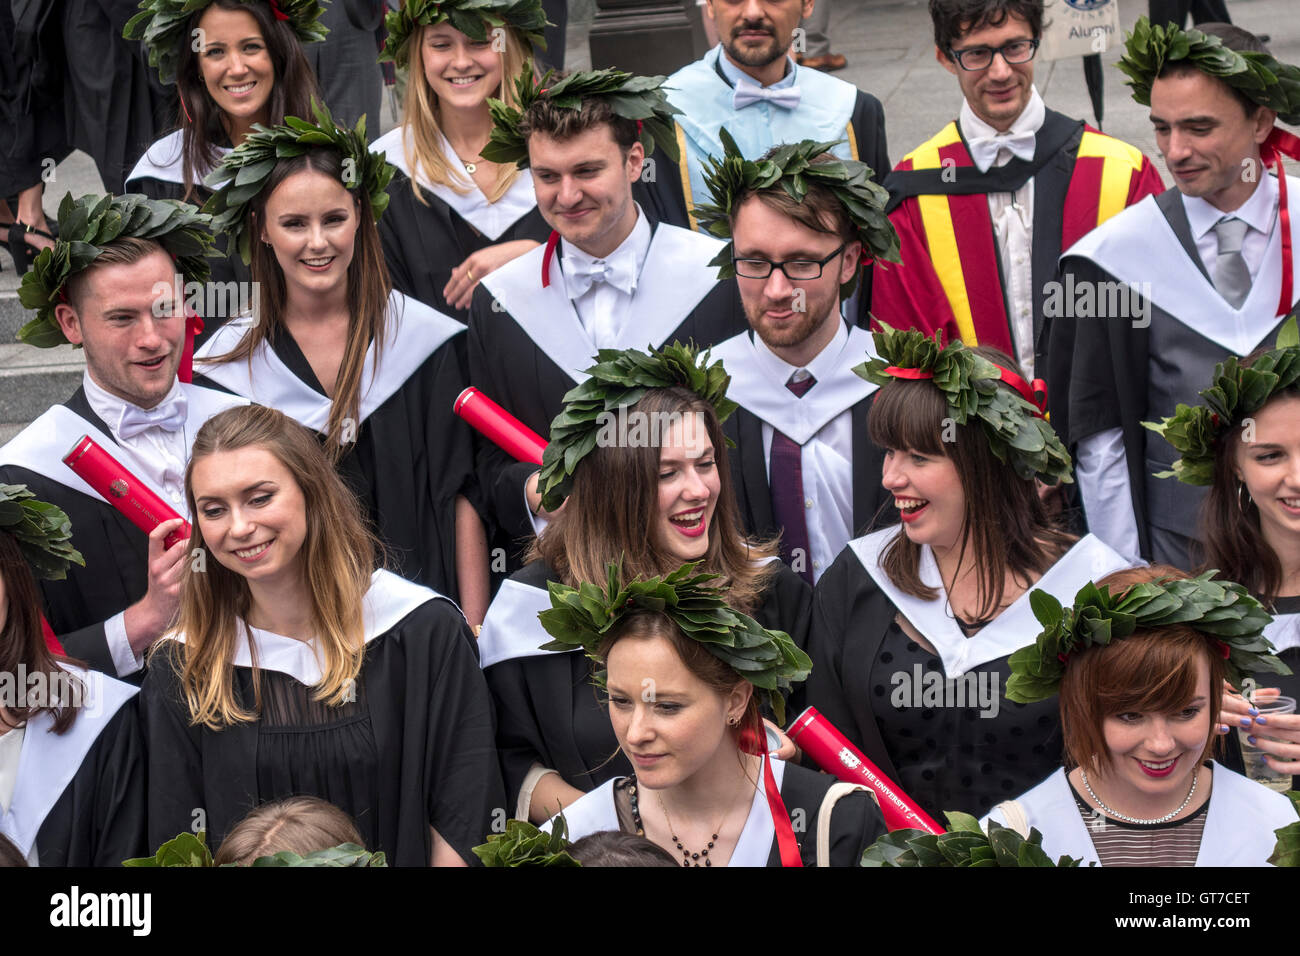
121	307
645	473
31	113
1250	462
687	677
1156	304
608	277
912	625
298	668
332	345
803	462
72	785
113	108
242	43
455	216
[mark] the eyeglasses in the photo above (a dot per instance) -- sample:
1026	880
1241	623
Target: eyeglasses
981	57
796	270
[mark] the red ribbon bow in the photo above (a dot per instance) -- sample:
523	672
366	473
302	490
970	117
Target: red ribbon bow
1281	143
275	8
1035	392
193	327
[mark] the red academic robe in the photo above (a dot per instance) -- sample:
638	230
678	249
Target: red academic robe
950	278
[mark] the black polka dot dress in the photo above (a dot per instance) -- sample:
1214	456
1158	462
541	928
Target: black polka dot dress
936	722
954	757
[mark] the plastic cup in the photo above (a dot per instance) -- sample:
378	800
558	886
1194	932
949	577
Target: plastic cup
1256	768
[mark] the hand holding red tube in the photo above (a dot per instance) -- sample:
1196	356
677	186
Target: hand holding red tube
121	489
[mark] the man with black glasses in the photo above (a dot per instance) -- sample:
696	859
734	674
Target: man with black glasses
985	208
802	464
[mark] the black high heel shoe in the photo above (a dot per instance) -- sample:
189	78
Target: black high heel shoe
23	254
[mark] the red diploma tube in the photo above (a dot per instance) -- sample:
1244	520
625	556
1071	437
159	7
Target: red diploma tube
121	489
506	431
817	737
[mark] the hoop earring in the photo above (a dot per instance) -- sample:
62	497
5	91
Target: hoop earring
1241	490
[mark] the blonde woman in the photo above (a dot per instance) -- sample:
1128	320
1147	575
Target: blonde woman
454	217
298	668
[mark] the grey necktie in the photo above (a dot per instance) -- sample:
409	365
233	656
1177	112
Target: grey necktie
1231	276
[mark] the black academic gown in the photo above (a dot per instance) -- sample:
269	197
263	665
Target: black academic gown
31	94
761	402
527	347
413	750
855	822
878	686
548	712
1157	350
116	551
81	794
114	104
410	456
423	242
158	174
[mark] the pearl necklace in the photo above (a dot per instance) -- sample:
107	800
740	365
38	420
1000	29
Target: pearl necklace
1127	819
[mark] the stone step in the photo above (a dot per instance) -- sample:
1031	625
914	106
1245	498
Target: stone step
31	380
12	316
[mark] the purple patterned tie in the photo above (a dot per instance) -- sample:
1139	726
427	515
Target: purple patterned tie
785	478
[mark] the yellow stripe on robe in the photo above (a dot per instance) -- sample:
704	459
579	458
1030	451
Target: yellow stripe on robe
941	236
1119	162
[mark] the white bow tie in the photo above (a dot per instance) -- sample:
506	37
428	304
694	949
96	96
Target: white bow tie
169	415
747	92
984	149
581	274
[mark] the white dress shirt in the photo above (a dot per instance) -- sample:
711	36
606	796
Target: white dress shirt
11	750
160	457
1102	462
603	307
1013	219
1259	212
826	459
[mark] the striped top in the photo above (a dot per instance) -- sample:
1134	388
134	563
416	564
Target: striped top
1176	843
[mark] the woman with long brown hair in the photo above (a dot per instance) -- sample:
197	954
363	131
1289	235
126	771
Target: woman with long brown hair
297	667
72	784
1244	442
455	216
331	344
234	63
912	624
643	477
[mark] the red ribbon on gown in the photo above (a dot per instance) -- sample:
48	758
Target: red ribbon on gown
1281	143
193	327
754	741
